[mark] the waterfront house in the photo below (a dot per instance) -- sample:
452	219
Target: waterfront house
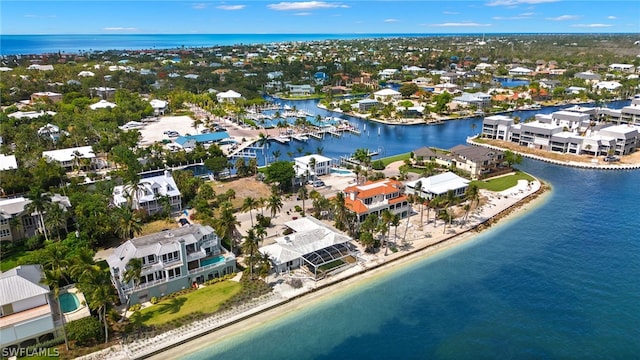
496	127
424	154
438	185
374	197
70	157
149	193
172	260
477	161
520	71
365	105
300	90
228	96
312	165
26	312
17	223
479	99
189	142
311	246
387	95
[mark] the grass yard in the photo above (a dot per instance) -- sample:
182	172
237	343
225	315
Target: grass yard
400	157
10	259
206	300
504	182
157	226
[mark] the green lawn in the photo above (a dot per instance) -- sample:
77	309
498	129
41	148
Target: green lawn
502	183
206	300
10	260
399	157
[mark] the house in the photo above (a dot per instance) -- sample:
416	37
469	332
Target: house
102	104
228	96
40	67
387	95
159	106
448	87
476	160
424	154
520	71
70	157
46	96
8	162
86	73
300	90
311	247
588	76
189	142
17	223
102	91
149	193
30	114
438	185
374	197
479	99
50	131
627	68
365	105
27	316
608	86
312	165
172	260
496	127
387	73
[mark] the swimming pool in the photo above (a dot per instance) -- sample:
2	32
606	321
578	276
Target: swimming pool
213	260
336	171
69	302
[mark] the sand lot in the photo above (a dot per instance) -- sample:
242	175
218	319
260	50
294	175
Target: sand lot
154	131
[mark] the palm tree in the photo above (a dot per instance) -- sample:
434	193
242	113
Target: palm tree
99	293
276	154
38	204
132	274
340	211
127	223
451	200
386	217
56	218
250	204
395	221
303	194
363	157
319	150
250	247
312	166
274	204
261	233
226	224
418	198
52	279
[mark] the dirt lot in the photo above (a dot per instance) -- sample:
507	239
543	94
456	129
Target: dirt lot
244	188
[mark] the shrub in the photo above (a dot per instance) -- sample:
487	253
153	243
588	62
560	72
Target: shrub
295	283
263	221
84	330
135	307
154	300
378	165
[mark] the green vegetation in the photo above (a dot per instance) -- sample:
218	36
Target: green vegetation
206	300
504	182
11	258
394	158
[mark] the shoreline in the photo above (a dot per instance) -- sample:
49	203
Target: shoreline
321	292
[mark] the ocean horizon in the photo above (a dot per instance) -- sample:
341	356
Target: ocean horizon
80	43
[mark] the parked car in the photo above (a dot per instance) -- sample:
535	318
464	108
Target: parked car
611	158
318	183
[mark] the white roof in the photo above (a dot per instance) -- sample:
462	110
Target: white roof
307	158
86	73
8	162
386	92
441	183
30	114
162	184
21	283
229	94
102	104
62	155
158	104
520	69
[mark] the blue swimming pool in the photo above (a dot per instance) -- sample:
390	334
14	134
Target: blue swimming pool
69	302
213	260
336	171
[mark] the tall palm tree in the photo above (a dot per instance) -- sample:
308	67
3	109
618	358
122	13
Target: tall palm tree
274	204
56	218
276	154
261	233
303	194
226	224
99	293
450	200
250	204
395	221
250	247
386	217
312	166
418	198
52	279
132	275
38	205
340	211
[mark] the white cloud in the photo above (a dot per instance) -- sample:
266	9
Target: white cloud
564	17
120	28
591	25
517	2
391	20
459	24
305	5
231	7
199	6
303	14
611	17
517	17
450	13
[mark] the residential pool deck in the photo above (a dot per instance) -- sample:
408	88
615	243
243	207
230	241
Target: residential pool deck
82	311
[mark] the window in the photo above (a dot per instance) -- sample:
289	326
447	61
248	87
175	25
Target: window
174	273
5	233
173	256
4	221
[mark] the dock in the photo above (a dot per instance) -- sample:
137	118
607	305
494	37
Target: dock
281	139
300	137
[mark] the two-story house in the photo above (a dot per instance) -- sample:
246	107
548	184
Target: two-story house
438	185
72	157
17	223
374	197
476	160
26	314
172	260
312	165
149	193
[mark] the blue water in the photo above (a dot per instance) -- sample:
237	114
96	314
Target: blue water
342	172
510	82
69	302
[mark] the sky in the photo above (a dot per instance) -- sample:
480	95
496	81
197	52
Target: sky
317	17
